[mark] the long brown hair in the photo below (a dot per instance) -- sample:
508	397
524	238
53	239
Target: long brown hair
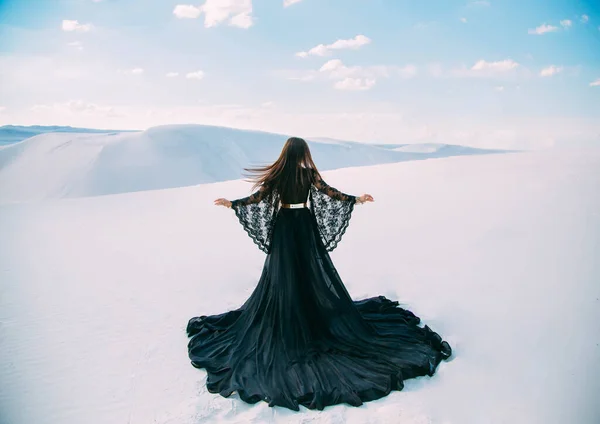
287	169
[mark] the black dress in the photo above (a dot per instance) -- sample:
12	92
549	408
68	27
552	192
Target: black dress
300	339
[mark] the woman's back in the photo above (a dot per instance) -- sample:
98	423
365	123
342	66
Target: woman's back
296	191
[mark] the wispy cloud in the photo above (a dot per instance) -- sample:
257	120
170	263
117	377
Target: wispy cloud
480	3
304	76
499	88
172	74
326	49
287	3
187	11
463	20
350	77
550	70
77	107
481	69
595	83
424	25
134	71
543	29
566	23
499	66
236	13
585	19
355	84
76	45
198	75
336	69
70	26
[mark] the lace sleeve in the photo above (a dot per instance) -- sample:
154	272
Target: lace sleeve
255	197
257	214
332	210
334	193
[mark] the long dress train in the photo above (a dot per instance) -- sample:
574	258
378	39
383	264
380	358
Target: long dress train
300	339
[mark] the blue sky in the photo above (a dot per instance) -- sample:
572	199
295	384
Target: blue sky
512	74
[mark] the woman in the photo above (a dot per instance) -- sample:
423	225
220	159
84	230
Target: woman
300	339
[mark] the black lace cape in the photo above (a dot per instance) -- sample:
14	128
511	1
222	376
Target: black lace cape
331	209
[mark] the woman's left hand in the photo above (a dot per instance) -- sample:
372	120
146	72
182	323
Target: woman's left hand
365	198
223	202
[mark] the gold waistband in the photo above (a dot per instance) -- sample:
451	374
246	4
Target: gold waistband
293	205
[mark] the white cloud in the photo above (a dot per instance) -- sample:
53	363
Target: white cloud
501	69
585	19
550	70
187	11
287	3
134	71
349	76
76	44
226	106
435	70
241	20
304	77
463	20
362	77
500	66
499	88
595	83
77	107
326	49
236	13
424	25
355	84
70	26
172	74
268	104
195	75
566	23
408	71
543	29
335	69
332	65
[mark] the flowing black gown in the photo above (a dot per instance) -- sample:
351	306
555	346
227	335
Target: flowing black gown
300	339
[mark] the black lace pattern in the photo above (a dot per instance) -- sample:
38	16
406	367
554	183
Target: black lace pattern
257	214
332	210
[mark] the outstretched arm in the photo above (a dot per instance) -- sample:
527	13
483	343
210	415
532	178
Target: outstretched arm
334	193
256	213
332	210
255	197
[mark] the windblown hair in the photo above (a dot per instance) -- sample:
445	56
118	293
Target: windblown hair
287	171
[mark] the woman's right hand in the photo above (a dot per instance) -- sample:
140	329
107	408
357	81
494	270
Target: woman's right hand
365	198
223	202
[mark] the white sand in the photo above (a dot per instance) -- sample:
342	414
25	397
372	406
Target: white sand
499	254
